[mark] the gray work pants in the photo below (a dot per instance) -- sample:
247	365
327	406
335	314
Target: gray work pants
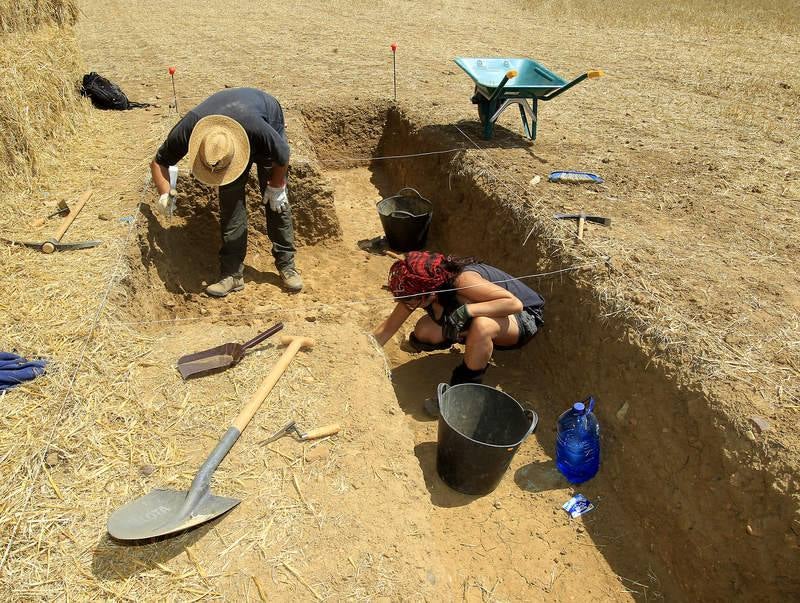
233	222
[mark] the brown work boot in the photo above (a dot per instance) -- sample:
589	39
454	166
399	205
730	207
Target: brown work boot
227	284
291	279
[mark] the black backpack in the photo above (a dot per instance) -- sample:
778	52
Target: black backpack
105	94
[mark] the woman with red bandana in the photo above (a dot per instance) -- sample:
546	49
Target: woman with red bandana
465	301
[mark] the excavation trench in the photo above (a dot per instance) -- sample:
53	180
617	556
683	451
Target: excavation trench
677	484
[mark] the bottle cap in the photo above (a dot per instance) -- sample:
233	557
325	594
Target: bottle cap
578	407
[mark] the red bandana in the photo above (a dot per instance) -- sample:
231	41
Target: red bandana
421	272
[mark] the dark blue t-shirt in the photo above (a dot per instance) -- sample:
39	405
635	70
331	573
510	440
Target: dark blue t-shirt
259	114
531	300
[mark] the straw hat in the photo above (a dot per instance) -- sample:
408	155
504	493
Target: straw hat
219	150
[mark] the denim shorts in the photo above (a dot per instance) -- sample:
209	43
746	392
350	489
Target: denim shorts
528	321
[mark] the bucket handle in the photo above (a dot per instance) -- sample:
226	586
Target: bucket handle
534	422
443	387
407	188
398	213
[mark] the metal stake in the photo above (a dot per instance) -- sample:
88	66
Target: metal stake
174	94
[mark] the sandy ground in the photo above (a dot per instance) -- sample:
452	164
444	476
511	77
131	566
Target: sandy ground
693	132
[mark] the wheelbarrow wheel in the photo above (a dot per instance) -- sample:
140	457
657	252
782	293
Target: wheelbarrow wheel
482	114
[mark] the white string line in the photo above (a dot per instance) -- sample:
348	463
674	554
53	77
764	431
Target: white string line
68	394
346	159
346	303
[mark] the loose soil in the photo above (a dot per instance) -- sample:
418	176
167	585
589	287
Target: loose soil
681	319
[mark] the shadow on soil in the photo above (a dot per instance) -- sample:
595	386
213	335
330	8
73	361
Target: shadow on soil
417	379
441	494
539	476
185	254
120	560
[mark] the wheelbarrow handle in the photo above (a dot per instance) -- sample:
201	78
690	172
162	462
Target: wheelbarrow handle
510	74
592	74
262	336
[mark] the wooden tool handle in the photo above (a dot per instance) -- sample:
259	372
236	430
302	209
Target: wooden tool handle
321	432
581	224
67	221
252	406
262	336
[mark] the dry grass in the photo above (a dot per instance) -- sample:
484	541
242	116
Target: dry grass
707	15
21	15
40	104
50	306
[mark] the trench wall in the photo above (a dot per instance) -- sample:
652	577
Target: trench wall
691	484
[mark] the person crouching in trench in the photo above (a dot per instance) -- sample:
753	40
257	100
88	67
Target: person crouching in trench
465	301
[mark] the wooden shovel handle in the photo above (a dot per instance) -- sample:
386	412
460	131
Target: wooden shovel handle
294	343
321	432
67	221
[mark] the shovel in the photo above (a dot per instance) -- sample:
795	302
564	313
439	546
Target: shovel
163	512
220	357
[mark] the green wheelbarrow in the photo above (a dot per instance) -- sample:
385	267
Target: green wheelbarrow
500	83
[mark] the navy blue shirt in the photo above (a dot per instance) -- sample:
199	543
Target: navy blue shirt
259	114
529	298
531	301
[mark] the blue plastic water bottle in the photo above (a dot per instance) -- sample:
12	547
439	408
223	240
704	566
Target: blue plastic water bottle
578	443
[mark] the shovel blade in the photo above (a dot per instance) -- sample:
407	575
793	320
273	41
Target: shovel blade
217	358
161	512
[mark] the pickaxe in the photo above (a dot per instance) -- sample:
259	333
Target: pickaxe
582	218
54	243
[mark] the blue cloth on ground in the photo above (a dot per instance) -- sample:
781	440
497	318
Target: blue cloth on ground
16	369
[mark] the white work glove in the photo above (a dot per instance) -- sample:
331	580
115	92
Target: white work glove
277	199
166	203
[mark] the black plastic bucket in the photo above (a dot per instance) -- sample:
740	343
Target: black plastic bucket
405	220
480	429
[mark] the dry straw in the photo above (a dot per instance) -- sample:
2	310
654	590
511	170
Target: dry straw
39	72
21	15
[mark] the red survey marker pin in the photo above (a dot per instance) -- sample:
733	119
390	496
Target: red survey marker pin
394	68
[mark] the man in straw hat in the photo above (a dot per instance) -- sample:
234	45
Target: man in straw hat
223	136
